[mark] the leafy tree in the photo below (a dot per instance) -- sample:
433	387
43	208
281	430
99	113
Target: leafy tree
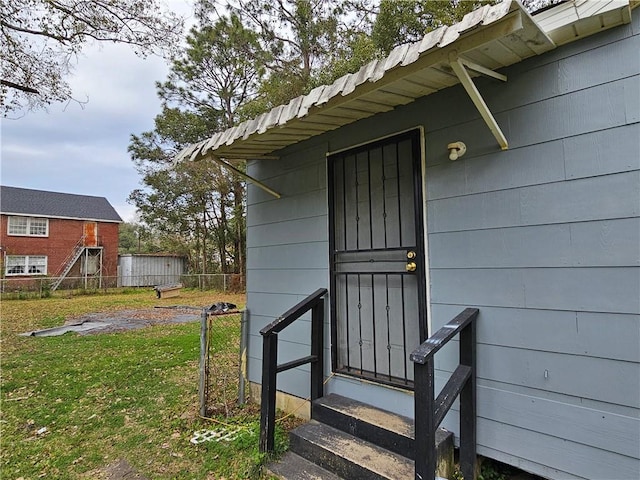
301	37
314	42
407	21
199	203
218	71
127	238
195	203
299	33
139	238
40	38
356	52
173	201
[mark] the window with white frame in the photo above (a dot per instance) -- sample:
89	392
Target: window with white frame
28	226
25	265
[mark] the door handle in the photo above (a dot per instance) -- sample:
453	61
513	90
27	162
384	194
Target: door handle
411	266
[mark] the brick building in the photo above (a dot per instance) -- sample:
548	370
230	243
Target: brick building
58	235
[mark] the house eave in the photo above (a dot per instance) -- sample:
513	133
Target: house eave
491	38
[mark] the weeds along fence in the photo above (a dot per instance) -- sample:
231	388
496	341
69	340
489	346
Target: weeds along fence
41	287
223	340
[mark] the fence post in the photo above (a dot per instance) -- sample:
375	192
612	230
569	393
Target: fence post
244	330
204	342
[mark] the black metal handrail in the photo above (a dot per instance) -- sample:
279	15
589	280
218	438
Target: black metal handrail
270	367
430	412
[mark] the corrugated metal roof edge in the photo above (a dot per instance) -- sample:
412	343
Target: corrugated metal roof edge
372	72
401	56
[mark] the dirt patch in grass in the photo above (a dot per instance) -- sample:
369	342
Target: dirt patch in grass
119	321
118	470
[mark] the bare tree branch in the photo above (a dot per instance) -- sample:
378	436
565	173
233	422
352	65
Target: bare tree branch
40	37
23	88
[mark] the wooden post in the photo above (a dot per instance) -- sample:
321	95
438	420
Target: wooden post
425	430
317	350
468	404
202	387
244	332
268	403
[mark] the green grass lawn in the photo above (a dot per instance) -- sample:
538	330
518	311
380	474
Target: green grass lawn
73	405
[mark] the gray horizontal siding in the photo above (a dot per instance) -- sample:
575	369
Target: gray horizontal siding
305	230
310	205
602	243
592	427
595	198
596	153
287	256
606	63
544	238
301	282
296	256
597	108
601	380
597	289
600	335
290	175
569	458
514	168
595	428
602	152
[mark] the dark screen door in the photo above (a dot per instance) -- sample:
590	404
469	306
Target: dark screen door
378	301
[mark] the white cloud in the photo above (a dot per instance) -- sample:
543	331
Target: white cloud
82	149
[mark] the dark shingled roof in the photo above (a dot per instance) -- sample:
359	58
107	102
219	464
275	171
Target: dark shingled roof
24	201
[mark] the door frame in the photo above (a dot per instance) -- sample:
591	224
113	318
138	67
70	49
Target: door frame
420	213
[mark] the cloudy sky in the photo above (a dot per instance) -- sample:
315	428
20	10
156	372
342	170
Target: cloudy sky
83	149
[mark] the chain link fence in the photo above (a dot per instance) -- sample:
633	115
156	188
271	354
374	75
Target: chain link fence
223	339
41	287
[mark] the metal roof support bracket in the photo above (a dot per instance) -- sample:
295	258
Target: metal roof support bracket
248	178
482	70
458	66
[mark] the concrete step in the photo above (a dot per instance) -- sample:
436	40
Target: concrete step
294	467
351	440
347	456
386	429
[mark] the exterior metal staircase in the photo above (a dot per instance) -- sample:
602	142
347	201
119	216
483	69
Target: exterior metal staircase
68	263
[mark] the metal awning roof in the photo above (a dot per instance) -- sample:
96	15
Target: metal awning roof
573	20
489	38
492	36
